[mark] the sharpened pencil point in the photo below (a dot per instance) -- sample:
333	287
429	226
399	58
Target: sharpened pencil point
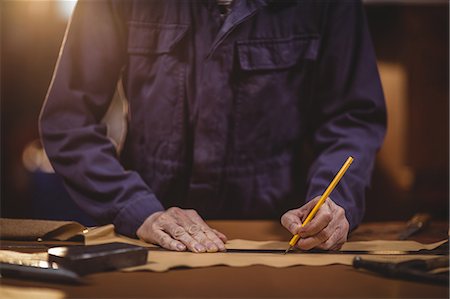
287	250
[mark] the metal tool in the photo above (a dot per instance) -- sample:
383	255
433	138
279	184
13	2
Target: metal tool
417	223
42	272
416	269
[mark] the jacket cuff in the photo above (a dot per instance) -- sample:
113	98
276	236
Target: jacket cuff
131	217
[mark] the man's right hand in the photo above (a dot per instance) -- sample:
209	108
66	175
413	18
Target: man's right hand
178	229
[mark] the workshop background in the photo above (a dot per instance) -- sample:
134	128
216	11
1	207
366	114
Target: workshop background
411	40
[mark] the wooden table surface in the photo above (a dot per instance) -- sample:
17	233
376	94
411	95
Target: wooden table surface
335	281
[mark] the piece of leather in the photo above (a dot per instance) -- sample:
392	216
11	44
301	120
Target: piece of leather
106	234
11	292
32	230
161	260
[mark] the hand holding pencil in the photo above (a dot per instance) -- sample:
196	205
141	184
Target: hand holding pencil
330	227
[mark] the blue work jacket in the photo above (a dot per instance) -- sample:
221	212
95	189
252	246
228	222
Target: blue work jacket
222	113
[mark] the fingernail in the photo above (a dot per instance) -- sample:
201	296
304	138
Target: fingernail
181	247
212	248
199	248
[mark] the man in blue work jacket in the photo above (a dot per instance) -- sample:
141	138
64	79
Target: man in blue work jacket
223	95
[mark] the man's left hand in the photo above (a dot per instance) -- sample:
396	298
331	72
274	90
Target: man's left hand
328	229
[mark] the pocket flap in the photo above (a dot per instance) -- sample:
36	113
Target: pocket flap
153	38
276	53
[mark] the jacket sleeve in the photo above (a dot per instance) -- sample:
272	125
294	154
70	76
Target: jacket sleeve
349	114
86	75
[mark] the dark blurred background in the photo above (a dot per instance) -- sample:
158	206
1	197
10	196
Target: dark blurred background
411	39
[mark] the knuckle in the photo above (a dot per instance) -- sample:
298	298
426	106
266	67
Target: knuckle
174	210
206	229
305	208
163	218
328	216
194	229
177	232
193	213
164	241
199	236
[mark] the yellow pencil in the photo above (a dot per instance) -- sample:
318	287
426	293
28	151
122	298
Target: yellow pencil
322	199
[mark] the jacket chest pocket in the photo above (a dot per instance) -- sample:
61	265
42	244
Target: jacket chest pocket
269	76
156	77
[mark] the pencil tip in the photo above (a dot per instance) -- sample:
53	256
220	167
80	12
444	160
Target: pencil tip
287	250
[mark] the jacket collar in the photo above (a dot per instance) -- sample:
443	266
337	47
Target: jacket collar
242	10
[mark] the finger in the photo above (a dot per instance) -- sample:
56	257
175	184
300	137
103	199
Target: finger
201	236
218	244
144	231
321	220
195	232
220	235
340	226
166	241
179	233
338	245
291	222
315	240
338	238
293	219
151	232
331	241
211	235
209	239
335	242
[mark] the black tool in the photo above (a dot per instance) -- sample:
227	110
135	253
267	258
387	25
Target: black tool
416	269
43	272
417	223
98	258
